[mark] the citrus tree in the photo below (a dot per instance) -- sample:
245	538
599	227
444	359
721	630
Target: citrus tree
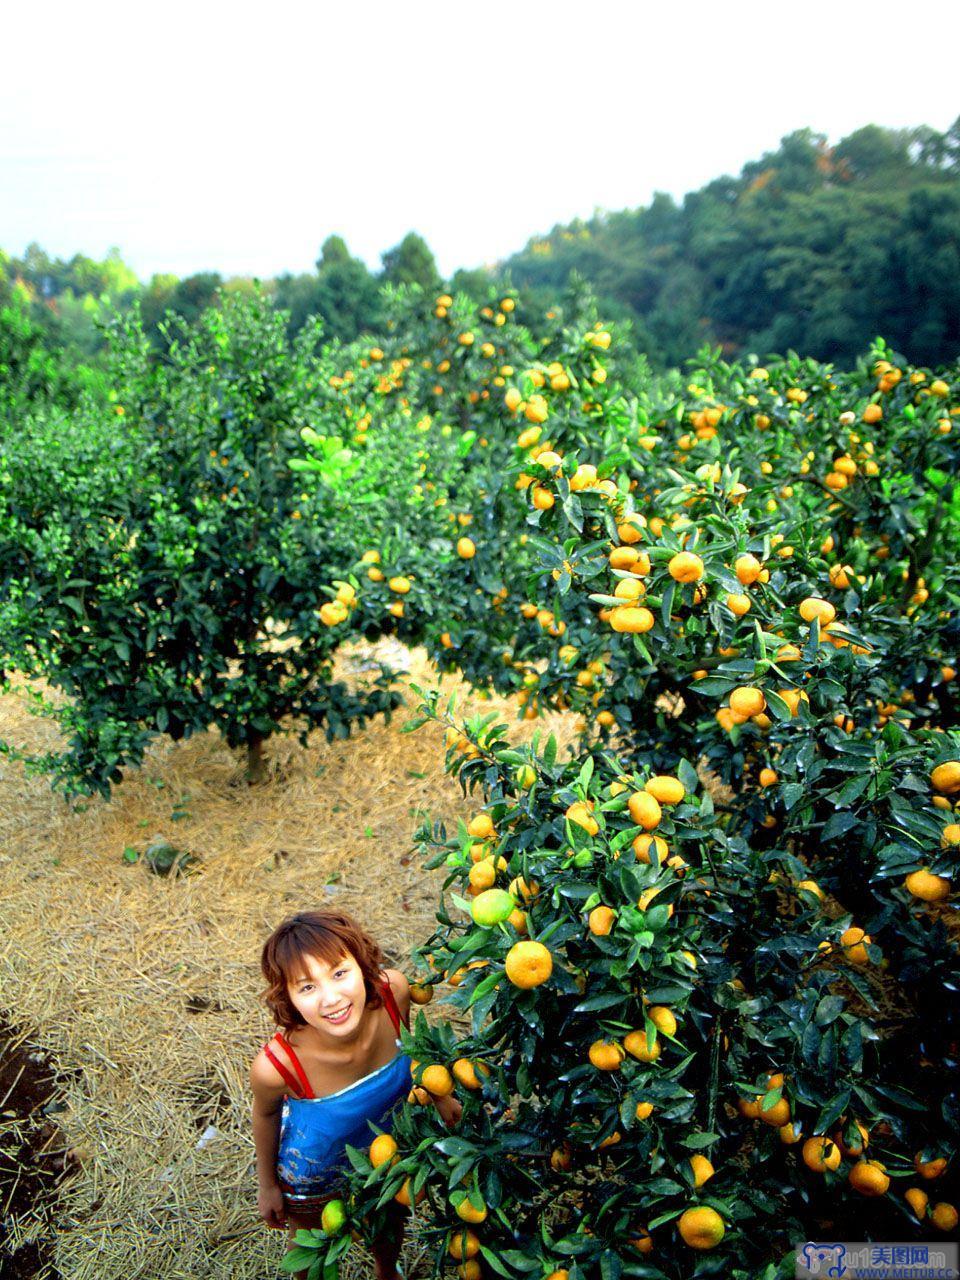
709	961
164	565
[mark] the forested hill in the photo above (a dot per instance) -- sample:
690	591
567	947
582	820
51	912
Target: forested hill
812	247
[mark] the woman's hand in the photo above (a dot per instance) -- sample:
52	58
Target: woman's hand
270	1205
450	1110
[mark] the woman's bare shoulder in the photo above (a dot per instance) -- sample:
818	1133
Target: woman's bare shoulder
264	1076
400	988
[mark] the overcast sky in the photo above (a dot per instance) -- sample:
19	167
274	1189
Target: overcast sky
231	137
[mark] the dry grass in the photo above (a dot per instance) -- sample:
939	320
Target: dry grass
144	990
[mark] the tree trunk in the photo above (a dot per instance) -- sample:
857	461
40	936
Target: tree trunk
256	766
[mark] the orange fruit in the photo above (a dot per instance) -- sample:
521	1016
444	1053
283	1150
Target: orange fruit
600	920
462	1245
812	607
528	964
469	1270
946	777
579	813
641	847
929	1169
926	886
853	1143
869	1178
631	620
382	1149
748	569
635	1043
918	1201
436	1079
855	945
703	1170
561	1158
644	1109
768	777
466	1072
790	1133
466	548
663	1019
421	992
645	810
747	701
820	1154
403	1195
944	1216
665	789
701	1228
778	1115
469	1212
606	1055
481	826
685	567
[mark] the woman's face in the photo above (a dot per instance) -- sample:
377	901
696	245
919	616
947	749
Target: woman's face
329	997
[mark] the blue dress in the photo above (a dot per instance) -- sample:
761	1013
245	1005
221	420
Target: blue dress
311	1159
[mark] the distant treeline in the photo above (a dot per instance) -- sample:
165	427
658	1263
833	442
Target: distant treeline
813	247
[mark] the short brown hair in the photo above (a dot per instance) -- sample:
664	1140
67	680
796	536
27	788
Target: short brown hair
327	936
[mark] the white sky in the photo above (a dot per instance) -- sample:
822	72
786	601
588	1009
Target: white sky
236	137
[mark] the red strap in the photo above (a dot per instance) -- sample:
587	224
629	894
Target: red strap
301	1085
391	1005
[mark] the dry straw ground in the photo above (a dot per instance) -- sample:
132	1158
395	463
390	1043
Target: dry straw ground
144	990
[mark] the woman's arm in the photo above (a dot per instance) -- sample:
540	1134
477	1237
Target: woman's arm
268	1094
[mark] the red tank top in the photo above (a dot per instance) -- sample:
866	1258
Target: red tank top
300	1084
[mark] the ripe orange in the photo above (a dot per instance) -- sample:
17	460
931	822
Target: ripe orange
466	548
701	1228
748	569
628	619
703	1170
470	1270
852	1139
645	810
480	826
382	1149
768	777
579	813
644	1109
926	886
929	1169
665	788
600	921
776	1116
944	1216
946	777
812	607
403	1195
462	1245
606	1055
685	567
561	1158
466	1072
635	1043
820	1154
855	942
469	1212
421	992
869	1178
747	701
436	1079
641	847
663	1019
528	964
918	1201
